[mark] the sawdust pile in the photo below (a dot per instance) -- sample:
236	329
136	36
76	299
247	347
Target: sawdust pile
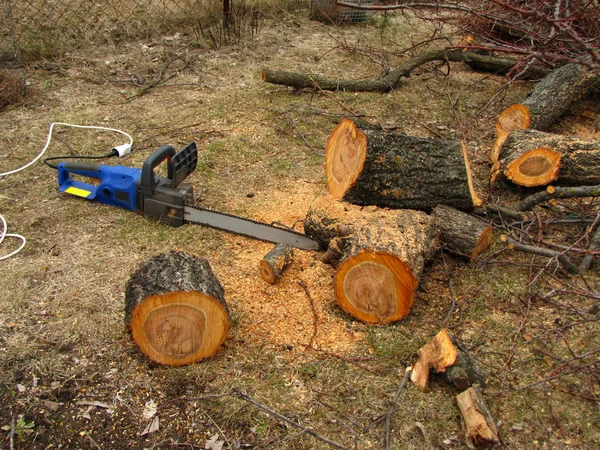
300	309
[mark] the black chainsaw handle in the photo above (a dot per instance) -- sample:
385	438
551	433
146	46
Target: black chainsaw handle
155	159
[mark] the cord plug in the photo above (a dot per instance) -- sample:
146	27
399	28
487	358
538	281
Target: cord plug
122	150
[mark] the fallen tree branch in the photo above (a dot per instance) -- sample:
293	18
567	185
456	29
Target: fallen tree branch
564	260
558	192
392	79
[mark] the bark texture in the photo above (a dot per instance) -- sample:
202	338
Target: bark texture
381	255
175	309
534	158
554	94
462	233
374	167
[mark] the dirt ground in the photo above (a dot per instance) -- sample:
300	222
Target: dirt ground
72	378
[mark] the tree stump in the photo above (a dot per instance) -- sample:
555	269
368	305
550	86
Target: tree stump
374	167
175	309
533	158
480	427
274	263
462	233
381	252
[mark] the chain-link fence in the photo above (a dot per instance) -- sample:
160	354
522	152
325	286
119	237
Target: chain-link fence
45	28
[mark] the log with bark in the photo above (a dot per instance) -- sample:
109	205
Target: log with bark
386	169
272	266
462	233
382	254
444	355
547	102
533	158
175	309
480	427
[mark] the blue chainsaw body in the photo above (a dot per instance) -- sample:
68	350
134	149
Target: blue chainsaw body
159	198
116	185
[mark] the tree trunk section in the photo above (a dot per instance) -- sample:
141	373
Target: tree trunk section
374	167
175	309
554	94
547	102
532	158
381	252
462	233
274	263
480	427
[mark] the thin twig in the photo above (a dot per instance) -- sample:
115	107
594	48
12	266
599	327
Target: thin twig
314	313
388	419
316	152
273	413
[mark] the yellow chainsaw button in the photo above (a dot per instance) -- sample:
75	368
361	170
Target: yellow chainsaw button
78	192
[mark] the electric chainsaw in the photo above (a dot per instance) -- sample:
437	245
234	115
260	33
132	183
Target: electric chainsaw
166	199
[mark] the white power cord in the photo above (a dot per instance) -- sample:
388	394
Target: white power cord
5	234
122	150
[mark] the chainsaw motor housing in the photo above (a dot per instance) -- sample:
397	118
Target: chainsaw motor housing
157	198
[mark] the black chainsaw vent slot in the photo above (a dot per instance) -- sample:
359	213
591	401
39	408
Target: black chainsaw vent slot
184	163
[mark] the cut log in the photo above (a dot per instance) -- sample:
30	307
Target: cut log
555	93
271	267
175	309
445	355
480	426
533	158
374	167
462	233
382	254
547	102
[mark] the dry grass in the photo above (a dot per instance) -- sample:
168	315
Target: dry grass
62	340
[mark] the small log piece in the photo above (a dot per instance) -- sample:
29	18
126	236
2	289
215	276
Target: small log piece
275	262
375	167
445	355
480	427
462	233
175	309
533	158
382	254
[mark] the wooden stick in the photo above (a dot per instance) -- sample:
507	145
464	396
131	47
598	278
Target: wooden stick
388	418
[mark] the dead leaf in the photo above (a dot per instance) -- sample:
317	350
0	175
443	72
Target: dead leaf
214	443
149	409
152	427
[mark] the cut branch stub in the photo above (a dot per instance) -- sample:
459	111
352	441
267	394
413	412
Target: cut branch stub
175	309
375	167
271	267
